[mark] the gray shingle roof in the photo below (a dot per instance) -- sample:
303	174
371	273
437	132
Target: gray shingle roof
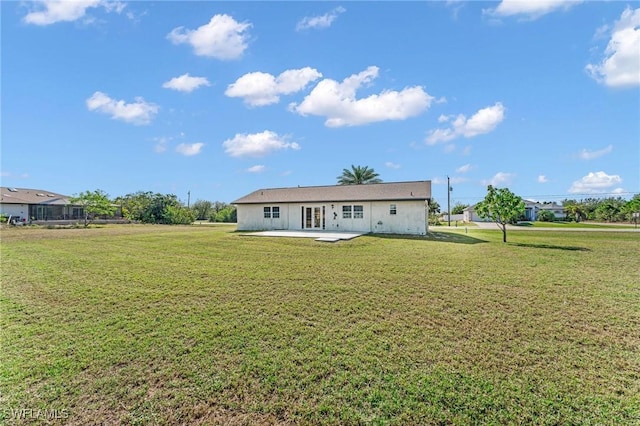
10	195
417	190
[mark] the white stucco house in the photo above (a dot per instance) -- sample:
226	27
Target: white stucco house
532	209
394	208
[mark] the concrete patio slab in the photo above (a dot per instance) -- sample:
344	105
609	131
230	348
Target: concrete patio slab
317	235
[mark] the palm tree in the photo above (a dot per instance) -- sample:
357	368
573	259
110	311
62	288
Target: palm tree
358	175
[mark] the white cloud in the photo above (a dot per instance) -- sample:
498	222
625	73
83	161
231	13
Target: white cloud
532	9
138	112
391	165
500	179
620	66
542	179
594	183
258	168
590	155
186	83
47	12
337	102
257	144
319	22
222	38
6	174
189	149
259	88
453	180
483	121
464	169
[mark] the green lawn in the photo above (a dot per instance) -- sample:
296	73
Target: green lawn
202	325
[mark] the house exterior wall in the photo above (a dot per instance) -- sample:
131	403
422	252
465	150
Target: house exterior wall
367	216
532	210
470	215
21	210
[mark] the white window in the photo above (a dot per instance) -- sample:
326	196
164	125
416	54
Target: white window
346	212
275	212
267	212
392	209
358	212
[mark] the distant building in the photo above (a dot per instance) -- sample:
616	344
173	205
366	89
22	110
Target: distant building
29	205
532	210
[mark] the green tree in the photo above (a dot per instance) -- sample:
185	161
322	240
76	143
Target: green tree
202	209
501	206
632	206
227	214
358	175
434	206
148	207
434	212
178	215
459	208
94	203
574	210
610	209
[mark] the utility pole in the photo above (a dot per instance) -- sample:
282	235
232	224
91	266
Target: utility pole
448	201
188	198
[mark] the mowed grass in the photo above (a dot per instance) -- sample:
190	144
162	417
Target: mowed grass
202	325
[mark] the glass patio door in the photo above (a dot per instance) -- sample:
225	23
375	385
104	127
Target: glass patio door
314	217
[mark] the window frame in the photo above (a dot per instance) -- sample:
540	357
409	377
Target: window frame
266	212
358	211
393	209
347	212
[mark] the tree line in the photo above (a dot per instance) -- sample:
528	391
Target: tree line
150	207
610	209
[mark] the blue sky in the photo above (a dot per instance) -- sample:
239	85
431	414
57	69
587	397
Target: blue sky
221	99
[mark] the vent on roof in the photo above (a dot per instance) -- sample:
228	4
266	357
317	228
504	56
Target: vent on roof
12	190
40	195
50	195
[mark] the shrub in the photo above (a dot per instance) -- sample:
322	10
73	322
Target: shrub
546	216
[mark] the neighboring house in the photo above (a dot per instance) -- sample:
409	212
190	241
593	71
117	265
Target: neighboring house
36	204
531	211
396	208
39	205
470	215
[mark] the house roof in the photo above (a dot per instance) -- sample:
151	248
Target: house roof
10	195
399	191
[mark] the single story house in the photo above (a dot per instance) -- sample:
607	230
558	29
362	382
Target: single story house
469	215
531	211
30	205
394	208
36	204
